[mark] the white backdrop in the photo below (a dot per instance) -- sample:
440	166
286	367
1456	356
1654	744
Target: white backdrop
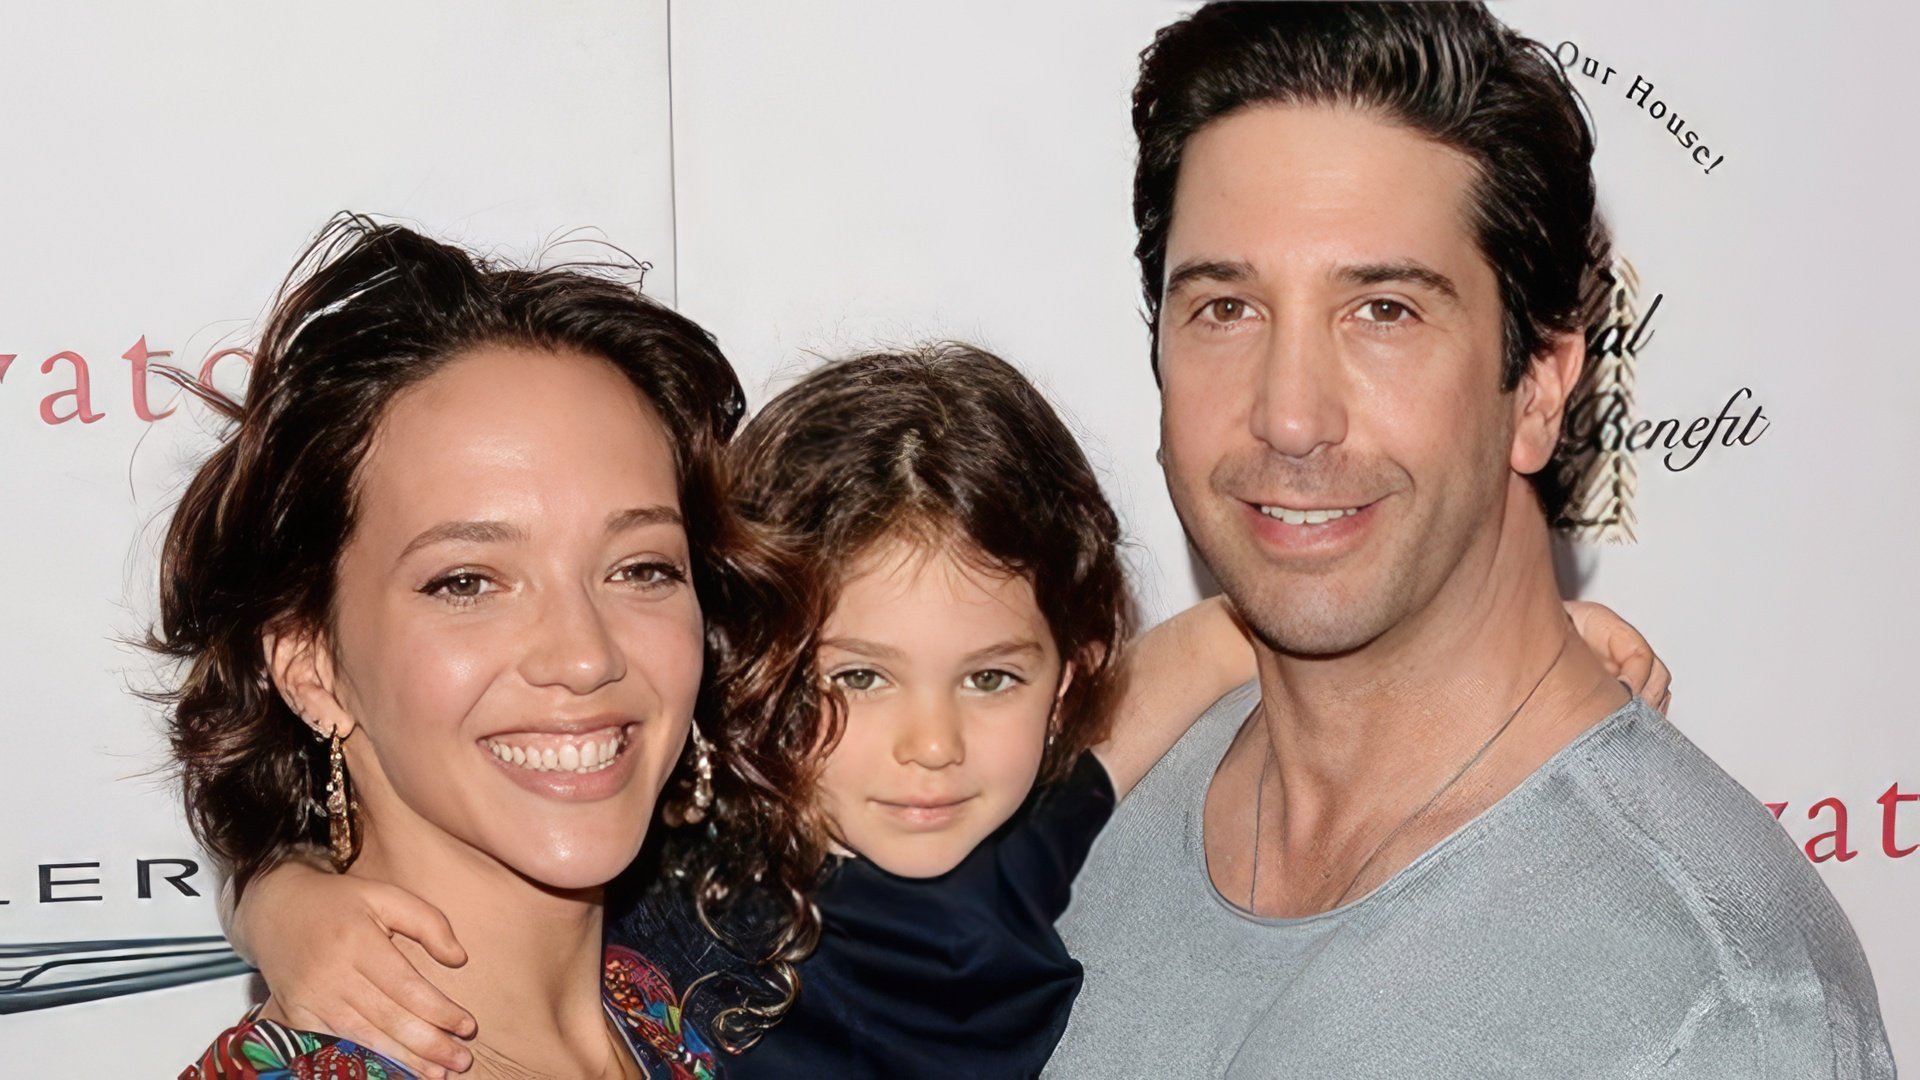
842	174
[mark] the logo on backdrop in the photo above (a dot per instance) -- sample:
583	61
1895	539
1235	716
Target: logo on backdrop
66	382
1607	427
1837	842
42	975
1639	91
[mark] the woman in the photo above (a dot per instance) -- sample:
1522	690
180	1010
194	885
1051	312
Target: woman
437	604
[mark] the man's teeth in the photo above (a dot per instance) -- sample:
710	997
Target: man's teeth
1307	517
543	754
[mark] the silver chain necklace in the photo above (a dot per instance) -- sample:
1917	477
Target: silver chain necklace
1259	793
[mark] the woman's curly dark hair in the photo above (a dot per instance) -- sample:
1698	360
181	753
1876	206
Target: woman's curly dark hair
368	311
942	444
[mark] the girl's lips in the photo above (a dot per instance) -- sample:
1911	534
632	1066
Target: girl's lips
922	813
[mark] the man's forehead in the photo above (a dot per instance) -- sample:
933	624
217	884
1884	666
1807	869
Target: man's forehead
1293	187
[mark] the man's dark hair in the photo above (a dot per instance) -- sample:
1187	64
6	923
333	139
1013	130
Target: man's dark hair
1451	72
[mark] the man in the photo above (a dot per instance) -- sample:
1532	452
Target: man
1434	840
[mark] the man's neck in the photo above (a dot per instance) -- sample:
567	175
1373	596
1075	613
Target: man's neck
1360	742
532	976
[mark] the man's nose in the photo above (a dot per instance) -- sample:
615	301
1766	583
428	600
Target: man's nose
1299	400
570	644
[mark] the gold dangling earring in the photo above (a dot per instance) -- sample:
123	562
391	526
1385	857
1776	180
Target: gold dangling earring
702	777
340	845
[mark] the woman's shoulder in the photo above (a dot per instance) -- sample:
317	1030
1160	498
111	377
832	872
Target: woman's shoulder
259	1049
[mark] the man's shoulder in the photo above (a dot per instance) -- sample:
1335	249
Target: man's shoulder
1673	859
1676	818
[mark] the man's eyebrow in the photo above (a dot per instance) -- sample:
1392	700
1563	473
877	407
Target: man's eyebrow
1194	270
1011	647
1407	271
622	520
472	532
865	648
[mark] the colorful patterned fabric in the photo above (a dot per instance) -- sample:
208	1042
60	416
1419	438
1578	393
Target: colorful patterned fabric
264	1050
643	1000
637	993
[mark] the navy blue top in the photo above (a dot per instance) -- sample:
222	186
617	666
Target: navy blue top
962	975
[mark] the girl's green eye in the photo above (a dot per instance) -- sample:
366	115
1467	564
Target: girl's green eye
989	681
858	679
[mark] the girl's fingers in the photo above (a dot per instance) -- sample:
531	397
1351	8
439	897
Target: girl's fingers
400	912
350	1023
1636	670
408	1039
1657	682
397	982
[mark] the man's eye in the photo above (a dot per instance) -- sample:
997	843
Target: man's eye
1384	311
857	679
991	682
1225	310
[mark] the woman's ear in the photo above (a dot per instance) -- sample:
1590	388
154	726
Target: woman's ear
302	670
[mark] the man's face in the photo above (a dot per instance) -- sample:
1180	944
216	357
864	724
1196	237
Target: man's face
1334	432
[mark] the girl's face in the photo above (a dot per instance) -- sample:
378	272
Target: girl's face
516	644
951	678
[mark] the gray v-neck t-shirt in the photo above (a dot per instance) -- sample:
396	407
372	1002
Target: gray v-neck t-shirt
1627	911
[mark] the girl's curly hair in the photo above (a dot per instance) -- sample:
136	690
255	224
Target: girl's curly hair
943	444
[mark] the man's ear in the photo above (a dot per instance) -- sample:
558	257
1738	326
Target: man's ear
301	666
1540	401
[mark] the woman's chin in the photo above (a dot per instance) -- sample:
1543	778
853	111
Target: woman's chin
577	866
575	875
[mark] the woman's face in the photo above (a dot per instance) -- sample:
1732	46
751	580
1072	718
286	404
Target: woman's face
516	642
951	677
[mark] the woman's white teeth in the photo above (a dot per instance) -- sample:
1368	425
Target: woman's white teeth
576	757
1307	517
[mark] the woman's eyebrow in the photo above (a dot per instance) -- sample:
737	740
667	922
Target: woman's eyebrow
503	532
472	532
622	520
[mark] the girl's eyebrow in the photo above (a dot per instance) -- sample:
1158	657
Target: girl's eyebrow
864	648
1010	647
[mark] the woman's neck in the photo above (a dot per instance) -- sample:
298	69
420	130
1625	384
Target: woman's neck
532	976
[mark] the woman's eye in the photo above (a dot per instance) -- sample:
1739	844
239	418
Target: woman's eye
857	679
463	585
991	682
1384	311
1225	310
650	575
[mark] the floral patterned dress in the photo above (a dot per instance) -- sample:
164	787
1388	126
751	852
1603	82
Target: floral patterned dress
637	994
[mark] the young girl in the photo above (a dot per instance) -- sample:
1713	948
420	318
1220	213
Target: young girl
881	872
